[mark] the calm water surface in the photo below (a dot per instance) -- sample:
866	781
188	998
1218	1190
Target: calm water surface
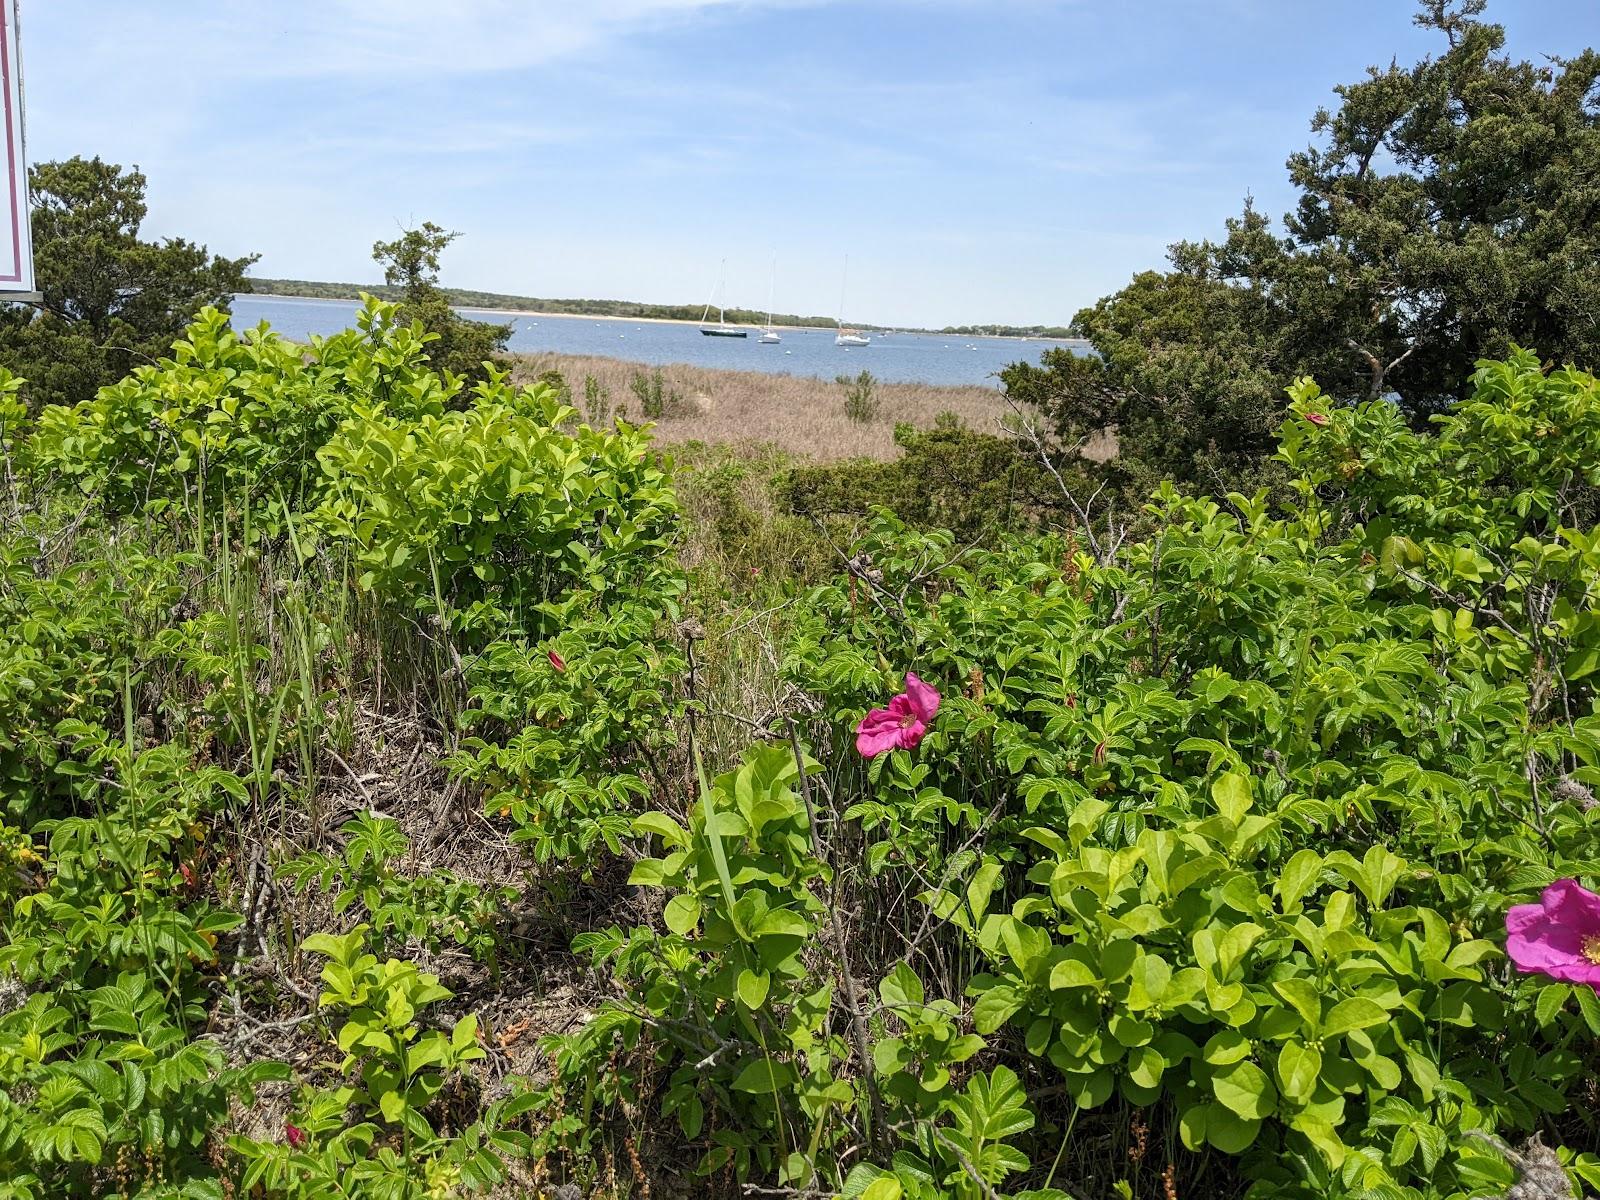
897	358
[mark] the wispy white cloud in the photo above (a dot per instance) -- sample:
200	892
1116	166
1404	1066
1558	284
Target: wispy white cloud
309	39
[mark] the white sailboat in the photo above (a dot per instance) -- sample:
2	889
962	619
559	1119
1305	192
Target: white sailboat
769	335
721	328
848	337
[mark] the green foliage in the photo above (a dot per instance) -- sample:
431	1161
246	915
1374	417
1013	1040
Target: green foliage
657	398
1444	215
400	1069
1212	837
1179	371
948	478
963	1155
431	909
596	402
112	301
860	397
738	1018
485	516
234	420
104	1070
1254	802
462	347
567	750
63	656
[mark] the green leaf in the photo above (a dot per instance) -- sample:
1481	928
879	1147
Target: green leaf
719	856
1552	999
1228	1132
1303	997
663	827
1244	1088
752	988
981	888
682	914
994	1008
1299	1067
900	989
1231	793
1225	1047
1355	1013
1298	878
764	1076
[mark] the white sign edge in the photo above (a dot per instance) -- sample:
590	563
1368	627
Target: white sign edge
21	279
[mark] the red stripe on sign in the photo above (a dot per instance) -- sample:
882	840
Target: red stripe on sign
6	68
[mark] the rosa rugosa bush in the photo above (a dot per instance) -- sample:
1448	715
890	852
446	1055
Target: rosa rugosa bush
1233	822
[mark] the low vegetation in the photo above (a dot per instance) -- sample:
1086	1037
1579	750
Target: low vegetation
804	417
420	778
403	798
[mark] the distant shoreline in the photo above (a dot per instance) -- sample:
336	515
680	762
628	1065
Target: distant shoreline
783	321
528	312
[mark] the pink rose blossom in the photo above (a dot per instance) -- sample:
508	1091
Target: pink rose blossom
902	724
296	1135
556	660
1317	418
1559	936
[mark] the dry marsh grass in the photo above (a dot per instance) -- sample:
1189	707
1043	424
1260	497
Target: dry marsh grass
801	416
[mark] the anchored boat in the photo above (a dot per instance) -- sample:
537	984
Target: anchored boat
721	328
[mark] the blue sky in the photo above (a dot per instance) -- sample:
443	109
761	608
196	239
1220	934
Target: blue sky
978	160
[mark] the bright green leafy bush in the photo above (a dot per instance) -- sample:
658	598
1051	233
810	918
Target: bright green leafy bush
234	419
400	1069
573	750
1254	801
106	1079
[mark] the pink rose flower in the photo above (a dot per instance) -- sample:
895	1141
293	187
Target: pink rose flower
902	724
1317	418
556	660
1559	936
296	1135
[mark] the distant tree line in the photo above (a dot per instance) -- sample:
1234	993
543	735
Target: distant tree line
1058	332
501	301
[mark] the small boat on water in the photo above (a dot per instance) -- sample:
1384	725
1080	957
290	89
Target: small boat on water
769	335
848	337
721	328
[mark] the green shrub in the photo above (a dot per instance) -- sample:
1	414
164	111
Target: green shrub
1239	820
596	402
375	1132
234	420
66	650
950	478
657	398
481	515
860	396
106	1083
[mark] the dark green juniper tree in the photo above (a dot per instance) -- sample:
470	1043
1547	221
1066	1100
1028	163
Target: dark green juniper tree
411	263
111	299
1447	211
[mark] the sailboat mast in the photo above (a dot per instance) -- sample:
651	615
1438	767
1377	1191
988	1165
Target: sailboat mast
772	287
843	280
722	278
